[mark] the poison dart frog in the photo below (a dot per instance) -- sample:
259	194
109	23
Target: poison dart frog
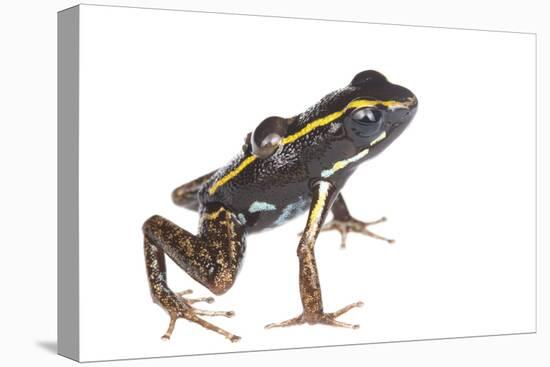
286	167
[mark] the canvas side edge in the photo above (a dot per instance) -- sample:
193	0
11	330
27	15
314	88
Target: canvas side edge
68	343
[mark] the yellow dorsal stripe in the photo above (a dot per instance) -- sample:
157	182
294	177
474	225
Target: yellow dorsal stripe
322	121
333	116
230	175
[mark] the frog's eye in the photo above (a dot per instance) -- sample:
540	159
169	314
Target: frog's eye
366	121
268	136
367	116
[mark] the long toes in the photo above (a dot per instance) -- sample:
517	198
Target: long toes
374	235
333	322
183	293
345	309
193	316
214	313
234	338
190	301
201	299
171	326
381	220
353	225
344	237
293	321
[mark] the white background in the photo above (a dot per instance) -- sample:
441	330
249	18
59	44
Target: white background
28	152
168	96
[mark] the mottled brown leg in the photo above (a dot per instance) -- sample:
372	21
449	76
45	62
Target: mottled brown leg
310	289
213	258
186	194
173	303
344	223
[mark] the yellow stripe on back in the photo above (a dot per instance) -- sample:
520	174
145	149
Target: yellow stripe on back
231	174
322	121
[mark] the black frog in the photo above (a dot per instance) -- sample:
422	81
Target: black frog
287	166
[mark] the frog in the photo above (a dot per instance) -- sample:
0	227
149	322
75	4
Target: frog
286	167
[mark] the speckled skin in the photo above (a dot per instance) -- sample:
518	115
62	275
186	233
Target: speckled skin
321	148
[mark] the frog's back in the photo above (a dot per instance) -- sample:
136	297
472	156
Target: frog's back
265	193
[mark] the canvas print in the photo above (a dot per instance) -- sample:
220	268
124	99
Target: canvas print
222	187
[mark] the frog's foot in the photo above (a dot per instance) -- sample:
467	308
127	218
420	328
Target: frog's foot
319	318
183	309
354	225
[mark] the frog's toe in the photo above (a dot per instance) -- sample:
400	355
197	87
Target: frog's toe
189	301
214	313
200	299
185	292
354	225
293	321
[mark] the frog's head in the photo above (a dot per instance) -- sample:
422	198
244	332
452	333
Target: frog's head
371	112
377	112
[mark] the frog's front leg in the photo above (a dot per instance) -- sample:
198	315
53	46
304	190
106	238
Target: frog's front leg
344	223
323	196
212	258
186	194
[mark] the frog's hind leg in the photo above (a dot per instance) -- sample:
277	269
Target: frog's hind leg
186	194
213	259
344	223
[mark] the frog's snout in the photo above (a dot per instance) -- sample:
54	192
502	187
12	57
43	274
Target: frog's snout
413	102
412	105
407	108
400	116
